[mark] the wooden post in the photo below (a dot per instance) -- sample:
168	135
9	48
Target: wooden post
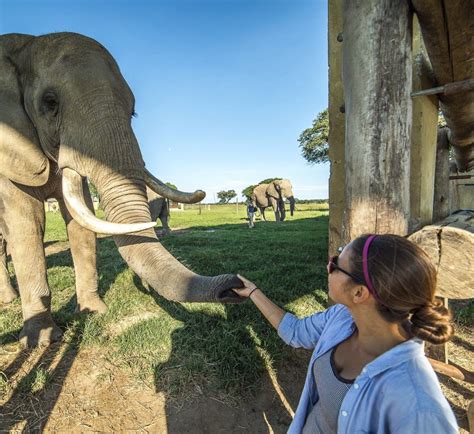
336	127
441	189
423	138
377	85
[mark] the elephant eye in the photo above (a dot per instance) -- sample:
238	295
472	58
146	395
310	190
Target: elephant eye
49	104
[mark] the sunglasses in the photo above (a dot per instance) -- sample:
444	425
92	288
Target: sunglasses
332	266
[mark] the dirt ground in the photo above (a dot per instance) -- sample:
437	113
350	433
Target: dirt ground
87	393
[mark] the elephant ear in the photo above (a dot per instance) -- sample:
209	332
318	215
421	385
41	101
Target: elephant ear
21	157
273	190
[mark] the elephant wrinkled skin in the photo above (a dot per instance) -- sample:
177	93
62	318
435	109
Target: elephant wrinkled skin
274	194
65	117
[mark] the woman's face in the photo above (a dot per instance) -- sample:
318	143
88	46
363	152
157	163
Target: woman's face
339	282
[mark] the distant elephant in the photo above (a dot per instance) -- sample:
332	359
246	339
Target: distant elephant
159	208
274	194
65	117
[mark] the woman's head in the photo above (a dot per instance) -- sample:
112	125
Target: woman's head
402	280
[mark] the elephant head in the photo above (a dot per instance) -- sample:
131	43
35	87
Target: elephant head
65	104
282	189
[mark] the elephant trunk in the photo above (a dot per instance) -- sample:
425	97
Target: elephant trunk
292	204
124	201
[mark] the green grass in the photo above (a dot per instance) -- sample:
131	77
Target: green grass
185	348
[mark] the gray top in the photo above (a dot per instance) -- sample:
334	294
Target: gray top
332	388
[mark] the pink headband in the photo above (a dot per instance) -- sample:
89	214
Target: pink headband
365	267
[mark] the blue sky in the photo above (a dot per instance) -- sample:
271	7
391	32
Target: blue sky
223	88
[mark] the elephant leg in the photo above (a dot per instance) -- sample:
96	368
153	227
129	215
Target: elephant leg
23	225
281	206
83	250
7	293
262	211
164	216
276	208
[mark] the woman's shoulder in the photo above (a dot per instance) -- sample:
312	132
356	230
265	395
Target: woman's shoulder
414	383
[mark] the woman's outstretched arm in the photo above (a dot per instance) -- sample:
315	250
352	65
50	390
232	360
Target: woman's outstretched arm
270	310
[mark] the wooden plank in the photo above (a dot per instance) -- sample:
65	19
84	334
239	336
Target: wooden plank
336	127
377	83
423	138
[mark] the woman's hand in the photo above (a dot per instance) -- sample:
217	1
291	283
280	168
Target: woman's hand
248	288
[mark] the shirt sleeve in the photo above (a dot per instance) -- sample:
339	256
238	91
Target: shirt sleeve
305	332
428	422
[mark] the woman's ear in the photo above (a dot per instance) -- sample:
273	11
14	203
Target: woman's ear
21	157
360	294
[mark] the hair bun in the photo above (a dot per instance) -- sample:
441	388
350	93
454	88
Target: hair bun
431	323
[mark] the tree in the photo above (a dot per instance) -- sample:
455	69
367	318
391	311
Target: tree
247	191
225	196
171	185
93	190
314	141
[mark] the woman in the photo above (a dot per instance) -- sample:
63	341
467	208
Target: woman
368	372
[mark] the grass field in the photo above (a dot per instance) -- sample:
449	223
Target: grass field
187	348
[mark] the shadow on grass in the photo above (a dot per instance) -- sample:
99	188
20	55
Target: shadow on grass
35	395
32	408
197	362
44	371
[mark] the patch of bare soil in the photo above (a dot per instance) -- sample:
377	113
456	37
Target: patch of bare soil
85	392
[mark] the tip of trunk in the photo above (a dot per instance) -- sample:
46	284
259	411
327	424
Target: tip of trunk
224	293
217	289
292	205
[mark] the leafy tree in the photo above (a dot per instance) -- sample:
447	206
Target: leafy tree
314	141
171	185
93	190
225	196
247	191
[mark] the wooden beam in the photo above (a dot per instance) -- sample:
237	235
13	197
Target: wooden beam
423	138
377	84
448	33
441	207
336	127
452	371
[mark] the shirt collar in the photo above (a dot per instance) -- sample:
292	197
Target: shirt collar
400	353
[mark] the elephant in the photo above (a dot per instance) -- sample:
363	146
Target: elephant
273	194
65	118
159	208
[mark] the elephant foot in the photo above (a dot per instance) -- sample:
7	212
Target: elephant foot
91	304
7	295
40	330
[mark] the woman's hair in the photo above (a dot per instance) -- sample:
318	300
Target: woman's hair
402	280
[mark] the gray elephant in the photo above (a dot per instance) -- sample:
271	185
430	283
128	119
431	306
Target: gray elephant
159	208
273	194
65	117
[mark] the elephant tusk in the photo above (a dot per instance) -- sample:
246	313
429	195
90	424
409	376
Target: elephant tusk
162	189
76	204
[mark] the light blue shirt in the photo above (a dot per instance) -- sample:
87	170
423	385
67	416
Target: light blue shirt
398	392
